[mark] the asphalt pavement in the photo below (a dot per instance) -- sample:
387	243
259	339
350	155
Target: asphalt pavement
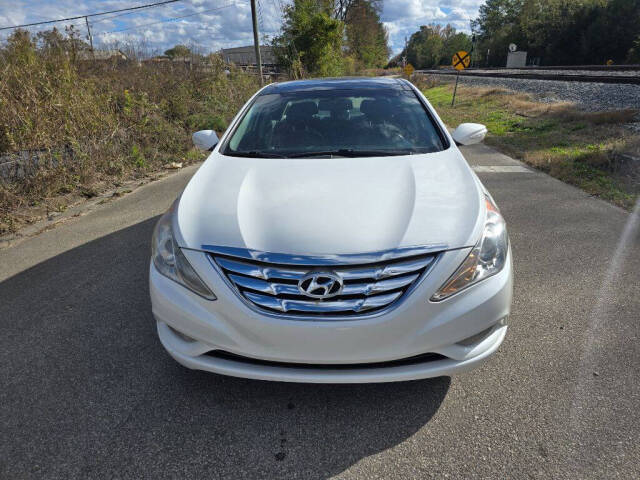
86	390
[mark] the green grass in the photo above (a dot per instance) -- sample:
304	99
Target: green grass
578	148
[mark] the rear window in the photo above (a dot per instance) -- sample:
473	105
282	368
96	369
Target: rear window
335	121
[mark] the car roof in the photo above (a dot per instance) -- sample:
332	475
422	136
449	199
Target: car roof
342	83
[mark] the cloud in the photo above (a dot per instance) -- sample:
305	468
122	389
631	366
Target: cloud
404	17
227	27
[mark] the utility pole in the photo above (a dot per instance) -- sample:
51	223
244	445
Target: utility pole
404	57
256	41
474	56
86	19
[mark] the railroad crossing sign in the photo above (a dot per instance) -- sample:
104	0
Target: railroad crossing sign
461	60
408	70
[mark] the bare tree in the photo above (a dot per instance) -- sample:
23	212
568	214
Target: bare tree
341	8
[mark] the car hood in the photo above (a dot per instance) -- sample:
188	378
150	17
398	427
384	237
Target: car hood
332	206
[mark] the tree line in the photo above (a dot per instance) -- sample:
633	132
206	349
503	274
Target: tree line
341	37
553	32
331	37
560	32
432	45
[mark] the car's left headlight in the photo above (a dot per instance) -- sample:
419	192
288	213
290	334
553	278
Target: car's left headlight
171	262
487	258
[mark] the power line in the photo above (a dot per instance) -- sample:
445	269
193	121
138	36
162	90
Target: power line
169	19
115	16
91	15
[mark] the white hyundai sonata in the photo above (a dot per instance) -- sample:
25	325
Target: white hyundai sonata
335	234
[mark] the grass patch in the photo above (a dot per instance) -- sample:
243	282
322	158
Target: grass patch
580	148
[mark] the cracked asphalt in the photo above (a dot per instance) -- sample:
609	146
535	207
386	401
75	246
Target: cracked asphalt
86	390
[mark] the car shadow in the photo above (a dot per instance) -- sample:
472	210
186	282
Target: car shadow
88	391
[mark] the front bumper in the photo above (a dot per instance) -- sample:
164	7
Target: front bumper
177	348
319	351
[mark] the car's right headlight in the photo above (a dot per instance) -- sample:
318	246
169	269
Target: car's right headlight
171	262
487	258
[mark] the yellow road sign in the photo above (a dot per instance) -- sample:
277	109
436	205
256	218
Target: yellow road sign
408	70
461	60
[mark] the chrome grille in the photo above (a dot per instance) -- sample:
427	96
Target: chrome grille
270	282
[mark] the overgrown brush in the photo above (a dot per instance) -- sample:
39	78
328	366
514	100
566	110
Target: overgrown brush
96	124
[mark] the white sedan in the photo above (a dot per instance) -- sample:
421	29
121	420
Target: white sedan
335	234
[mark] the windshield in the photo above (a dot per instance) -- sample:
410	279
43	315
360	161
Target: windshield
335	123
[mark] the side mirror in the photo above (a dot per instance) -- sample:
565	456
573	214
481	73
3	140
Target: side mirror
469	133
205	139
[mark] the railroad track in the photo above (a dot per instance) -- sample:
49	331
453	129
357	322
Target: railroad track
608	68
630	76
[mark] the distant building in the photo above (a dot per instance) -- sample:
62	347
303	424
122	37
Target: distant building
516	59
189	62
246	56
157	59
117	55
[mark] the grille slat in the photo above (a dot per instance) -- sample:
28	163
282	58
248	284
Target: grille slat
366	288
378	287
266	272
323	306
405	267
273	288
259	271
264	287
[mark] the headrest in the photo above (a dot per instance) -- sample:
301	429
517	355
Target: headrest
335	104
302	110
375	109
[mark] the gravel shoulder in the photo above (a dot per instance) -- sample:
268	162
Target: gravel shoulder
587	96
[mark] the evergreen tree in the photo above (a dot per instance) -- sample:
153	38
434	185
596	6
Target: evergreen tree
310	40
367	38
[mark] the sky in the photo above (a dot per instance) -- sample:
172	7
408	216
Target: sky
222	23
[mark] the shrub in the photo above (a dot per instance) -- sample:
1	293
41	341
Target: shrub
206	121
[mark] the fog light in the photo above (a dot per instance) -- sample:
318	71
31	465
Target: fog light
478	337
181	335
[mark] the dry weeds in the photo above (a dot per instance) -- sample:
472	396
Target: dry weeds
98	124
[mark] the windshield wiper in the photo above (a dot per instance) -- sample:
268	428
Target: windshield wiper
350	152
255	154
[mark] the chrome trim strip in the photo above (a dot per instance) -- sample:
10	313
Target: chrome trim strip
322	260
